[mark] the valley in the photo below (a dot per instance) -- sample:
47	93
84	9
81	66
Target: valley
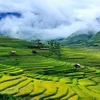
41	76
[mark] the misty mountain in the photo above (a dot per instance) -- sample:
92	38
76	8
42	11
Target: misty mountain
95	40
89	39
47	19
98	19
41	25
79	37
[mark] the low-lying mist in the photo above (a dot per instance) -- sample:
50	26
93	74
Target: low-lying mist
48	19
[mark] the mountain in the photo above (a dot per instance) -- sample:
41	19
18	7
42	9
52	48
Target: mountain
79	37
85	39
40	28
98	19
95	40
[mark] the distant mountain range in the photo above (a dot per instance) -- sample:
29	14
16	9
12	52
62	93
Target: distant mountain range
86	37
81	38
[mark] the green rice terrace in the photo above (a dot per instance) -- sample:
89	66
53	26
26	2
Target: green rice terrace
27	76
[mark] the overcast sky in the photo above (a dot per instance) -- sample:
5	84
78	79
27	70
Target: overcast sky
48	19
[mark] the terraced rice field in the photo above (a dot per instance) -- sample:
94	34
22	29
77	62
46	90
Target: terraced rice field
50	87
84	56
34	77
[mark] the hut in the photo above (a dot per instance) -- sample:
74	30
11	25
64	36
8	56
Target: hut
13	53
77	66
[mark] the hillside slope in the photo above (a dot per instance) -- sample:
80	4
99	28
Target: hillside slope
12	42
79	37
95	40
84	39
34	77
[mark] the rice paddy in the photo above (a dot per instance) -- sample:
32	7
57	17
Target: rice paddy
35	77
44	87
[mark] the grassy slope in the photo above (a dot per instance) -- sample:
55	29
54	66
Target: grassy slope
79	37
85	56
51	86
24	57
12	42
96	38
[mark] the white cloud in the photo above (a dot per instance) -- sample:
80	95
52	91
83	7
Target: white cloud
48	18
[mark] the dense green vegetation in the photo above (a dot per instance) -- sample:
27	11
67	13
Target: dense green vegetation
77	39
81	38
41	76
95	40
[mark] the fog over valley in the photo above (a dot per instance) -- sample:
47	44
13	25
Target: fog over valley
48	19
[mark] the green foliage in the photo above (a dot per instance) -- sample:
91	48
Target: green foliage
10	97
55	48
77	38
95	40
1	75
6	97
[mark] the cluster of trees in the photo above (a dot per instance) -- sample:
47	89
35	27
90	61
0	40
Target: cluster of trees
36	44
55	48
10	97
7	97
